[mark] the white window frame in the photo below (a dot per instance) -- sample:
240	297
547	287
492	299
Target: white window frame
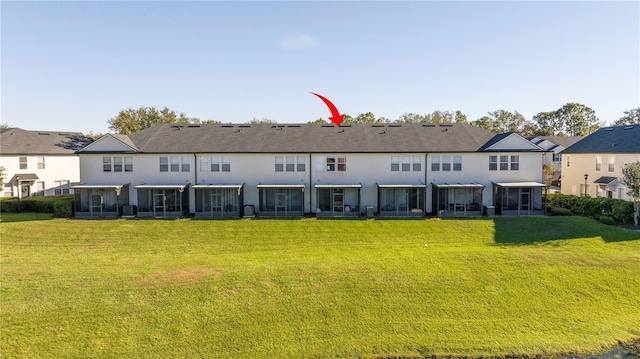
417	163
23	163
395	163
446	162
61	187
457	162
435	163
174	163
493	163
514	163
41	162
215	164
117	164
290	164
598	163
185	164
164	164
40	188
205	163
406	163
504	162
107	162
612	164
128	164
226	164
301	165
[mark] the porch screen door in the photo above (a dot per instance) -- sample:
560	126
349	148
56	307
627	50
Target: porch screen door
159	208
338	203
281	202
96	204
216	204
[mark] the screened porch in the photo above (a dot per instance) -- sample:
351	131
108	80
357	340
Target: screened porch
100	200
162	200
281	200
338	200
218	200
457	199
519	198
401	199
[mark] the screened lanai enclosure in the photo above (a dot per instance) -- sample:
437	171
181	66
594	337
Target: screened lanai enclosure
281	200
519	198
218	200
339	200
100	200
457	199
163	201
401	200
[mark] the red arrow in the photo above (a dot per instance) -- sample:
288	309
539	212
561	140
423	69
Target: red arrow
336	117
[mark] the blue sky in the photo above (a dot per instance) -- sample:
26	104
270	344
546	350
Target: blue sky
73	65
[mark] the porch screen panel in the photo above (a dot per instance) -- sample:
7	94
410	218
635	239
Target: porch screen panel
144	200
324	199
295	199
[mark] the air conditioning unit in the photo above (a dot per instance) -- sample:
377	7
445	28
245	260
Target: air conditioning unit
128	212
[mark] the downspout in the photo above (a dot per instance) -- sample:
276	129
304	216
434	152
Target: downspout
426	186
310	188
195	168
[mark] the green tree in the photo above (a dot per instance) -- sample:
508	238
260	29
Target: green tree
631	179
131	120
548	123
369	117
484	122
578	119
460	117
2	174
264	120
505	121
4	126
319	120
411	117
631	117
550	174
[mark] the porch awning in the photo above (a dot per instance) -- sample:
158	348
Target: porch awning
402	185
519	184
161	186
344	185
24	177
267	185
606	180
235	186
457	185
98	186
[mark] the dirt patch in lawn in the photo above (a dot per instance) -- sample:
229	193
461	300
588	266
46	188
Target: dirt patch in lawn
178	277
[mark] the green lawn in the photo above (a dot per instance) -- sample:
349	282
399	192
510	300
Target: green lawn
315	288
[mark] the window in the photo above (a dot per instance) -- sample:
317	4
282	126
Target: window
40	163
446	163
342	163
204	164
40	188
435	163
598	163
215	164
331	164
493	163
226	164
301	164
117	164
568	161
279	163
557	157
395	163
23	163
290	164
175	163
61	187
457	163
612	164
185	165
417	163
106	164
164	164
128	164
406	163
504	163
515	163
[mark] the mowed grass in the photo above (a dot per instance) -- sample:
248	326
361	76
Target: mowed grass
315	288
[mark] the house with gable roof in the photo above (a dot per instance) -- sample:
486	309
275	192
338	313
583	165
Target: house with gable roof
593	165
285	170
554	145
39	163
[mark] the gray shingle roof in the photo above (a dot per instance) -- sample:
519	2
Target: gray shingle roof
16	141
299	138
618	139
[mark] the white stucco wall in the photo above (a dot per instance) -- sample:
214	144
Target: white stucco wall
56	168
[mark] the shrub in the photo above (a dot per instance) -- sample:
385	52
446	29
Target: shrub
63	208
607	220
559	211
32	204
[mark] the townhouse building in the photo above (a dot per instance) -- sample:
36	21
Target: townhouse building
593	166
285	170
39	163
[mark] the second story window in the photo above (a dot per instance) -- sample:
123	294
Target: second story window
164	164
106	164
301	166
185	164
290	167
598	163
40	163
417	163
23	163
175	163
504	163
493	163
457	163
395	163
515	163
279	164
336	164
128	164
117	164
226	164
612	164
446	163
435	163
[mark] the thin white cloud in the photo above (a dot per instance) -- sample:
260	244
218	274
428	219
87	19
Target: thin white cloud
298	42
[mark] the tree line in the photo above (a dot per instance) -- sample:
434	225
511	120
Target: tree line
572	119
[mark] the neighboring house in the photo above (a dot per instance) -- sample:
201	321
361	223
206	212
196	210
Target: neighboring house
215	171
40	163
593	166
554	145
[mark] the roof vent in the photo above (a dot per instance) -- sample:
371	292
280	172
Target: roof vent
446	125
194	126
246	126
395	125
628	127
608	129
377	125
227	126
428	125
344	126
328	126
44	133
293	126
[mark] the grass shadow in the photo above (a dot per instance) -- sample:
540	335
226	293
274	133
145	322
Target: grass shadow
532	230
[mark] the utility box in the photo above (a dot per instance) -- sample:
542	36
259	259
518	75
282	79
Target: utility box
490	211
370	211
249	210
